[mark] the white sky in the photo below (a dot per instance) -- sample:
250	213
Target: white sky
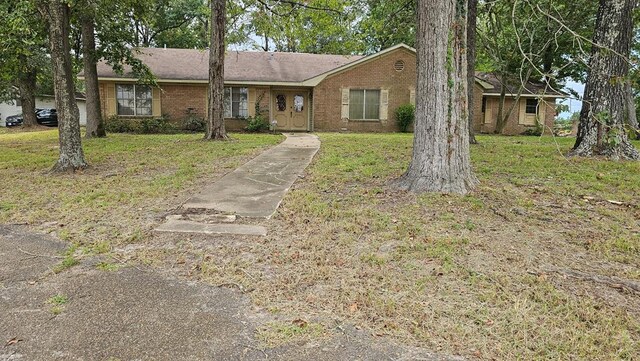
574	104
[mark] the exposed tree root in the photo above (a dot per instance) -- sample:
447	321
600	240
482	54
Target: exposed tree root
613	282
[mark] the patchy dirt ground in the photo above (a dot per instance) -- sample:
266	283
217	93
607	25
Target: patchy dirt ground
540	262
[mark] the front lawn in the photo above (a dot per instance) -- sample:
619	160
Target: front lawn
132	181
540	262
526	267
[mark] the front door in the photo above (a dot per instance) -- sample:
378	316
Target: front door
291	109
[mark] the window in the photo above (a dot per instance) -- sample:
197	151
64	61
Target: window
532	106
298	103
134	99
281	102
484	104
364	104
235	102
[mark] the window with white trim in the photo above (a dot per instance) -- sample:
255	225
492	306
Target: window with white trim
235	102
364	104
134	99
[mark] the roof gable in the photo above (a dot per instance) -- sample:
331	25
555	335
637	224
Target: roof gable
491	85
317	79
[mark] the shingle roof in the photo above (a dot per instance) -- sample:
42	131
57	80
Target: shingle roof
512	87
192	64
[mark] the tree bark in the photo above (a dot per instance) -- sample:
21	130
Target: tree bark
471	63
632	118
71	154
215	121
441	161
605	106
95	123
27	88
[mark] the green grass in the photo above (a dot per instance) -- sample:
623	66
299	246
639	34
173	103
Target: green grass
131	181
464	275
454	273
57	303
274	334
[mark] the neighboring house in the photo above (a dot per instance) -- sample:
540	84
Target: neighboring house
302	92
537	105
42	101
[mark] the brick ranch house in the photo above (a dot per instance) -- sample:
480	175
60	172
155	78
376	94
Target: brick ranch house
302	92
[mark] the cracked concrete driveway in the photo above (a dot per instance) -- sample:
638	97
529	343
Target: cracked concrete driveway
141	314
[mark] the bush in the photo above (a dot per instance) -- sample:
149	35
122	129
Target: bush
115	124
405	115
535	131
256	124
156	126
193	123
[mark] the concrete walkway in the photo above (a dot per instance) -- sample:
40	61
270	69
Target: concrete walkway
254	190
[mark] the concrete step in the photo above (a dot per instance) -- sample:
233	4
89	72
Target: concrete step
182	226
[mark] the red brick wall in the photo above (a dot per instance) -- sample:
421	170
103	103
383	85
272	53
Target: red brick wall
376	74
478	115
513	126
177	98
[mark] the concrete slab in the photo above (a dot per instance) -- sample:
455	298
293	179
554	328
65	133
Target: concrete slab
132	314
256	188
25	259
182	226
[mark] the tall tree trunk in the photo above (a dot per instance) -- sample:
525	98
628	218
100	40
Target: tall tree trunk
71	154
632	117
440	161
471	63
27	88
604	108
95	124
215	121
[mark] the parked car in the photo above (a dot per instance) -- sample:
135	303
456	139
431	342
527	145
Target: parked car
46	117
13	120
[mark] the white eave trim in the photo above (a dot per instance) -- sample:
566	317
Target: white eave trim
542	95
192	81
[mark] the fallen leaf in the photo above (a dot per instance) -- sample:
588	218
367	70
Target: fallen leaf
13	341
353	307
300	323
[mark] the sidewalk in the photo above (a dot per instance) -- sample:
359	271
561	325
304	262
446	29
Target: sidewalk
254	190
